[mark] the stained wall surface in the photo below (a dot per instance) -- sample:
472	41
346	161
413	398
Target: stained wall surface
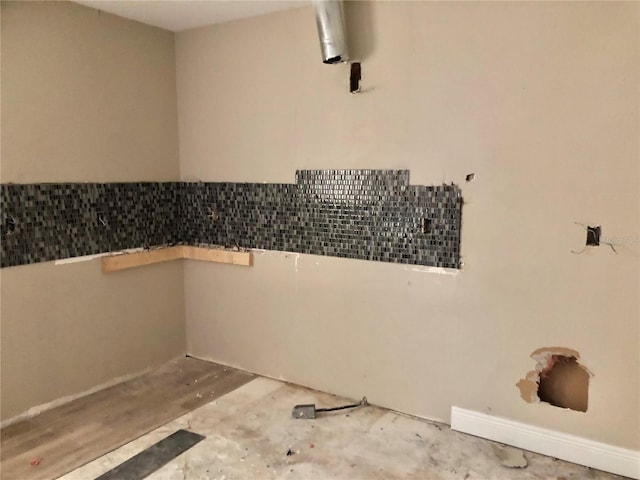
539	100
86	96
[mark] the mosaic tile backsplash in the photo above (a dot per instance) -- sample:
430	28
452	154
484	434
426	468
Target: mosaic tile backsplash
50	221
365	214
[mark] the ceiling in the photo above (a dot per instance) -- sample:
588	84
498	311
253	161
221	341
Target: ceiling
177	15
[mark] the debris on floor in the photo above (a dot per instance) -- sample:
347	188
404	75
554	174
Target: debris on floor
510	457
330	447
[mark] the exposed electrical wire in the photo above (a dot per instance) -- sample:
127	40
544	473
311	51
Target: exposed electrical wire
309	411
362	402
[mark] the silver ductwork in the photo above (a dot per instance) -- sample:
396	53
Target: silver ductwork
331	30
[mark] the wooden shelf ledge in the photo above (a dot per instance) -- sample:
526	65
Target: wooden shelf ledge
123	261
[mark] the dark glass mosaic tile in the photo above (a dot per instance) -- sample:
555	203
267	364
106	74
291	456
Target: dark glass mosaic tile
365	214
42	222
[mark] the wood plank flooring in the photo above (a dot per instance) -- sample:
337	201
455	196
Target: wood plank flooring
73	434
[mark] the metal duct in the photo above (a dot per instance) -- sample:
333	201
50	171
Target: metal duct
331	31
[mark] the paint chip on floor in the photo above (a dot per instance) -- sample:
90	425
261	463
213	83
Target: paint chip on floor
510	457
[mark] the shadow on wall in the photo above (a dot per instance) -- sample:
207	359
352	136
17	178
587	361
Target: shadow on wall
359	24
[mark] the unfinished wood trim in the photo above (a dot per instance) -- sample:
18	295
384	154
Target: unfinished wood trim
218	255
124	261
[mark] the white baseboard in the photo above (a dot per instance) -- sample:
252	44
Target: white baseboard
571	448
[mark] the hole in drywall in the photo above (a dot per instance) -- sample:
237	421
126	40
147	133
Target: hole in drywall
355	77
558	379
471	177
564	383
593	235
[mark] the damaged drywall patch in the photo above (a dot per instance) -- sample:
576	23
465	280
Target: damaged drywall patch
558	379
565	384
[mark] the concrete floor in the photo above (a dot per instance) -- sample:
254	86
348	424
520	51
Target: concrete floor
250	430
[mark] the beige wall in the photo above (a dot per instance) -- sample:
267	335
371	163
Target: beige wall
86	96
540	100
70	328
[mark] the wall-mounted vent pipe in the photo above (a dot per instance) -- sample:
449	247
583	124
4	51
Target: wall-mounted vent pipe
331	30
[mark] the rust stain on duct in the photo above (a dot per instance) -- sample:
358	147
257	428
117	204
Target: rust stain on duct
558	379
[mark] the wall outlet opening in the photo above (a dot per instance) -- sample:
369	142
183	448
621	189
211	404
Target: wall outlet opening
593	236
10	225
